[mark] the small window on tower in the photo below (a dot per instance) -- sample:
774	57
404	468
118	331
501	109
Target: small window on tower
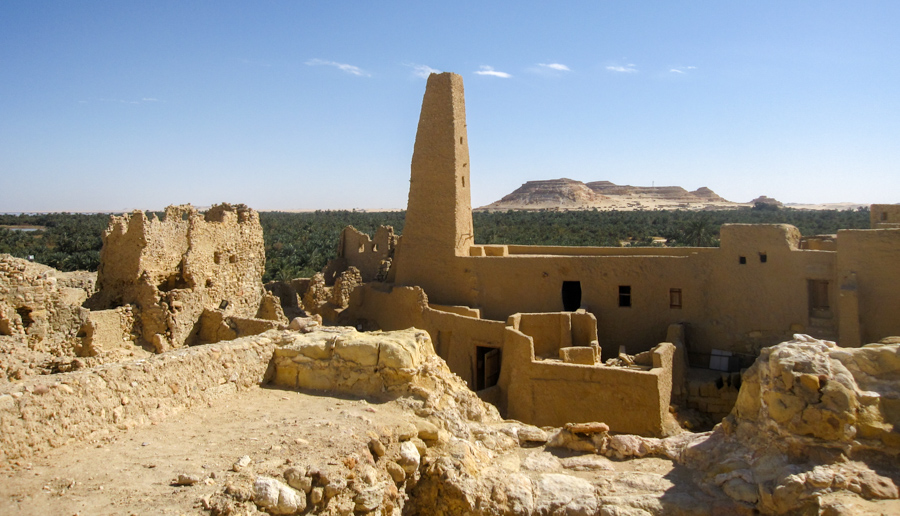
742	260
674	298
624	296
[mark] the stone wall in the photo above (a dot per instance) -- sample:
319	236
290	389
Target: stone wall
47	412
41	304
713	394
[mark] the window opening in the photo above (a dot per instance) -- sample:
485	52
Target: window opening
719	360
674	298
488	367
25	314
742	260
624	295
571	295
883	215
762	258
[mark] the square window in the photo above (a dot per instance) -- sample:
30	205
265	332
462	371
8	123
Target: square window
624	295
742	260
762	257
674	298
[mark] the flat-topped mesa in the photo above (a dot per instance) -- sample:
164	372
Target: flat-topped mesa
560	192
439	211
671	193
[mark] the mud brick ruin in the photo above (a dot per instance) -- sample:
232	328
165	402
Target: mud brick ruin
187	279
519	371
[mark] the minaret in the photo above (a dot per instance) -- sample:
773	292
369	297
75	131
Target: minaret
438	223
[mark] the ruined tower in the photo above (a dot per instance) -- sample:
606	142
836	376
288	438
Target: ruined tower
438	223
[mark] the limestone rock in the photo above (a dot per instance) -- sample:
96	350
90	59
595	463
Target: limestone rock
409	457
555	492
277	498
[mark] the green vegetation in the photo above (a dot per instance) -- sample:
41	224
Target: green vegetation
66	241
300	244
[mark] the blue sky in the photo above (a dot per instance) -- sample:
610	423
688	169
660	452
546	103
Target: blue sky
301	105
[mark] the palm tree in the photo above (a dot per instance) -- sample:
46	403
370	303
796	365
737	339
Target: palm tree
700	233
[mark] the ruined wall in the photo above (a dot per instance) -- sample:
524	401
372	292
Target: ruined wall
51	411
41	304
372	257
174	269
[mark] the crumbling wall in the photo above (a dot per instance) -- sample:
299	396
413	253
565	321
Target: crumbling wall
371	256
48	412
42	305
174	269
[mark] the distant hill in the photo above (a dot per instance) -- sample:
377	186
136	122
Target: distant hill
574	195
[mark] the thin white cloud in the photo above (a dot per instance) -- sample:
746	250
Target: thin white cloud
676	70
489	70
629	68
423	71
122	101
348	68
682	69
555	66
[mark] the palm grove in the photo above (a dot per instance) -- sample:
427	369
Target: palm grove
300	244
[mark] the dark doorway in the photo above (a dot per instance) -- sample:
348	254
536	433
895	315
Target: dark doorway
571	295
818	298
488	367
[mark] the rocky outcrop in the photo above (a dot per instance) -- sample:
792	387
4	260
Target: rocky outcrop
762	199
811	420
555	192
670	193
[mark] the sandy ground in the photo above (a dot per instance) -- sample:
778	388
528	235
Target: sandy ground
133	472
